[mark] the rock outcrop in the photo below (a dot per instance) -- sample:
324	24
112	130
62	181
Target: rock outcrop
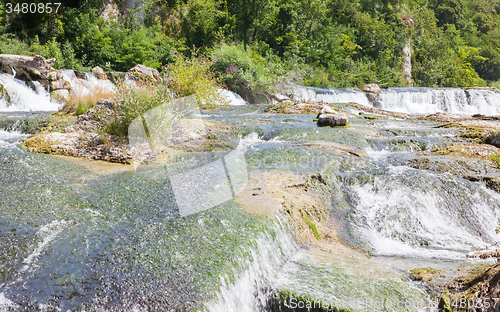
4	95
327	116
32	69
371	91
99	73
143	70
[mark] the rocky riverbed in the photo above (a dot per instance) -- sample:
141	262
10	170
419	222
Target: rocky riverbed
347	192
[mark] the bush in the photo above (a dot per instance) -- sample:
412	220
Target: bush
192	76
185	77
9	44
231	63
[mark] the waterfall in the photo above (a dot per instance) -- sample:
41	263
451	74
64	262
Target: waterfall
332	95
24	98
414	213
250	292
416	100
88	86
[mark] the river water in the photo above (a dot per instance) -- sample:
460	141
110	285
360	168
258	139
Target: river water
74	237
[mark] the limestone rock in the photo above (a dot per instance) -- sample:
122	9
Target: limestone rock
484	254
494	139
59	84
144	70
371	88
95	118
326	110
61	94
80	75
6	68
333	120
37	65
99	73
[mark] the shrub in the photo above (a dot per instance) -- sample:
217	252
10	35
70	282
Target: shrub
231	63
9	44
192	76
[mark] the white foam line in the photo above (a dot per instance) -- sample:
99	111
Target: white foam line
48	233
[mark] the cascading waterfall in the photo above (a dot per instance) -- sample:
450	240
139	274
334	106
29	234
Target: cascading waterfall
23	98
417	213
88	86
414	100
250	292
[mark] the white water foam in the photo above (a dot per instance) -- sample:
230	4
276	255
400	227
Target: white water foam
8	135
47	233
23	98
6	304
415	100
247	293
231	97
411	213
331	95
87	86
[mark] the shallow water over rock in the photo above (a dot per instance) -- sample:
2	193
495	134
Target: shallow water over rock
89	237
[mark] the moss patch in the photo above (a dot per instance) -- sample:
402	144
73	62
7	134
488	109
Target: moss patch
424	274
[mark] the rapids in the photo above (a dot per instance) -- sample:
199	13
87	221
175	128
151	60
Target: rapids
73	237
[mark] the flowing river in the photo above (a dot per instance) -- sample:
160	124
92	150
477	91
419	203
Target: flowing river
88	236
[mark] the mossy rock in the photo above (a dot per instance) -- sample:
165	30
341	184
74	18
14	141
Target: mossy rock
37	144
4	94
424	274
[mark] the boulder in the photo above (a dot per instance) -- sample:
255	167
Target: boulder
6	69
80	75
144	70
95	118
333	120
326	110
60	94
59	84
36	65
370	88
99	73
35	68
494	139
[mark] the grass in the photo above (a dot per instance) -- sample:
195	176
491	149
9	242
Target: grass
79	104
312	226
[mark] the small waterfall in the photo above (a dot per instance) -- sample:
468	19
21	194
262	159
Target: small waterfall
251	290
415	100
88	86
332	95
231	97
23	98
414	213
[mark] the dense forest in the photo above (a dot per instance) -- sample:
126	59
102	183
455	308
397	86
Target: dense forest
323	43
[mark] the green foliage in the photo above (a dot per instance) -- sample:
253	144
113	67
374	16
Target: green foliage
233	63
134	103
335	43
9	44
186	76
